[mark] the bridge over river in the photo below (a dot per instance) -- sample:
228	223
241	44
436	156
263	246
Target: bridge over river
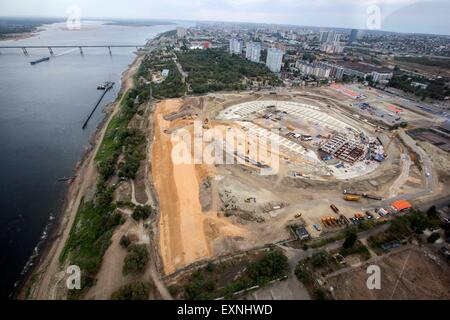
50	48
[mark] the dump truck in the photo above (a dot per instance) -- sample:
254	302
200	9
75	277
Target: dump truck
351	197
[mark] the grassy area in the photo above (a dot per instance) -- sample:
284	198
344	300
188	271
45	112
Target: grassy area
96	220
224	279
171	87
403	227
437	88
426	61
324	241
89	238
357	249
133	291
120	139
309	269
110	144
216	70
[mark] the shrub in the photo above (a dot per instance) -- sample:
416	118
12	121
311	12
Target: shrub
272	266
136	260
303	275
125	241
319	258
133	291
142	212
350	240
433	237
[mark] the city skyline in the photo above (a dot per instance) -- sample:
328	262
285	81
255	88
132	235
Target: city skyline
395	15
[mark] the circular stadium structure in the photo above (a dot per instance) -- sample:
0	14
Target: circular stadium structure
316	143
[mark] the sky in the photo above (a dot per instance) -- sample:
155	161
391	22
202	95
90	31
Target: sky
420	16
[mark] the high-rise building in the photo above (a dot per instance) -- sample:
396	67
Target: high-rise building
331	36
181	32
333	47
274	59
353	36
327	36
323	36
236	45
253	51
337	38
319	70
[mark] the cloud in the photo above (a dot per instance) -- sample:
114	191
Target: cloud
432	14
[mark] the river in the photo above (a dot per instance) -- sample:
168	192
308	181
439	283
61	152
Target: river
42	109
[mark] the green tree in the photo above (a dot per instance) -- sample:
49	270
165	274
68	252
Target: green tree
142	212
319	258
433	237
133	291
136	260
303	275
350	239
124	241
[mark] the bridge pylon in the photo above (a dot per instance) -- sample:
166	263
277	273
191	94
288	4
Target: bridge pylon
81	50
25	52
109	49
51	51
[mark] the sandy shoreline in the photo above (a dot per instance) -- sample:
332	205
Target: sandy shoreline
47	265
20	36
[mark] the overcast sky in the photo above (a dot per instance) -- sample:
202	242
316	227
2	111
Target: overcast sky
424	16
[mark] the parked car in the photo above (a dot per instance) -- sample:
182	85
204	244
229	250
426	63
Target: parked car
317	227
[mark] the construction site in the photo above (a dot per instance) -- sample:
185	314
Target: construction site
303	166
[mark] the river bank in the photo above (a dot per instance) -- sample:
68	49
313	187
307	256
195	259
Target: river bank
46	276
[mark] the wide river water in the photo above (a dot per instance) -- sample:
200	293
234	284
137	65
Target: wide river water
42	109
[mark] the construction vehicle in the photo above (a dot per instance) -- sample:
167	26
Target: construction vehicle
344	219
325	222
334	208
298	215
359	216
352	193
332	221
371	196
350	197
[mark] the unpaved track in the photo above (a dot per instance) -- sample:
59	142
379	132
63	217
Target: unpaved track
401	180
85	178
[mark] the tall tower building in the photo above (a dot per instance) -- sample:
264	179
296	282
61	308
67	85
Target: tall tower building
181	32
353	36
253	51
274	59
236	46
331	36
